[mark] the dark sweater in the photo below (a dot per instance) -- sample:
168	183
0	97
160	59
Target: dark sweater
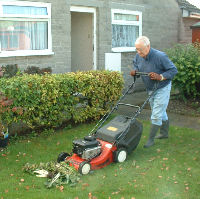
158	62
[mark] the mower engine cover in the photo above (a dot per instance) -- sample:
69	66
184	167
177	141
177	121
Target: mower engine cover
86	149
122	131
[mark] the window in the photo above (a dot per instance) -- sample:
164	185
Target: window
126	27
25	28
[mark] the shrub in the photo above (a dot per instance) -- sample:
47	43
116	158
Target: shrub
37	70
197	45
10	70
5	109
50	99
187	60
101	89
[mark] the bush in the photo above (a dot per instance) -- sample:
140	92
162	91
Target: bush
10	70
197	45
5	104
37	70
187	60
50	99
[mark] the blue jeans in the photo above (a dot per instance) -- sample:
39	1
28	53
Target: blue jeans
159	102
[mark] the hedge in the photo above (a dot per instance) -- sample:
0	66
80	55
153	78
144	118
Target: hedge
48	100
186	57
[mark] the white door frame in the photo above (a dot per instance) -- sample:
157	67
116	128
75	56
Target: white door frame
93	11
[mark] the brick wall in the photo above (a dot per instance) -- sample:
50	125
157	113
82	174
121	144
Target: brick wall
185	35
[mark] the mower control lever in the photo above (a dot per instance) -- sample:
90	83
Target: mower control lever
141	73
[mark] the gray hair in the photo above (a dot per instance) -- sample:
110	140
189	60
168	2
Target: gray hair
143	39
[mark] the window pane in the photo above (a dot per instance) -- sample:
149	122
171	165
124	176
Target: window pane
126	17
124	35
25	10
14	41
23	35
4	41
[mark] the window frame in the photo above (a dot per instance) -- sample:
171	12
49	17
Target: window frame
25	17
124	22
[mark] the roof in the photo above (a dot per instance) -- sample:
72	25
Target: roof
196	25
183	4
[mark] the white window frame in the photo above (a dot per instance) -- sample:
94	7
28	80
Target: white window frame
24	17
124	22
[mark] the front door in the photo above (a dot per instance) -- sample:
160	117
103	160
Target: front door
82	40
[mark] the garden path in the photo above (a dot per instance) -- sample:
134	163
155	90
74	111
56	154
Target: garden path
137	98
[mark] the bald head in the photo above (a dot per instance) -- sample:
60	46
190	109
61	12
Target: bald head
143	39
142	45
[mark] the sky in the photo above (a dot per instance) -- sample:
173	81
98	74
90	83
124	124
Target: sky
195	3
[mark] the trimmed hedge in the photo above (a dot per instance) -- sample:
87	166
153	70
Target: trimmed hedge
50	99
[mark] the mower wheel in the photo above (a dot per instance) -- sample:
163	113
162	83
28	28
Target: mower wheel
84	168
120	155
62	156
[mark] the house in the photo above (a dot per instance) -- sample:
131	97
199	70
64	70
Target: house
190	16
71	35
195	32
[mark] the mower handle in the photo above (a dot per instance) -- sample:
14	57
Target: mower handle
139	109
141	73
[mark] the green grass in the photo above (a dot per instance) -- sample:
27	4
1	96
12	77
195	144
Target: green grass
168	170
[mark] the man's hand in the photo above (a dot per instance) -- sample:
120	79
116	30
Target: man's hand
155	76
133	72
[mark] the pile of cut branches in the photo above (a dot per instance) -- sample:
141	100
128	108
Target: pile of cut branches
57	174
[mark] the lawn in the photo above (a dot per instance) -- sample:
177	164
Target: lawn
168	170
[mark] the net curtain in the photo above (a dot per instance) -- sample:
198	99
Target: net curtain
124	35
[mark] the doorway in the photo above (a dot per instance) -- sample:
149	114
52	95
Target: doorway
83	39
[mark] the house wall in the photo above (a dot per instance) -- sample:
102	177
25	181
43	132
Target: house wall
61	60
185	35
160	24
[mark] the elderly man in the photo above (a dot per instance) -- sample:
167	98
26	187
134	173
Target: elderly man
160	69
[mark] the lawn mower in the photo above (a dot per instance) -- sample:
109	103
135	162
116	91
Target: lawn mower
107	143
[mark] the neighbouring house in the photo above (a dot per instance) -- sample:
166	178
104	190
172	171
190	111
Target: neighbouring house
188	22
195	32
72	35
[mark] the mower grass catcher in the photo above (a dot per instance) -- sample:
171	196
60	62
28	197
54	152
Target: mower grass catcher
109	143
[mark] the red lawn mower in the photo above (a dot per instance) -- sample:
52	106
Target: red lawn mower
109	143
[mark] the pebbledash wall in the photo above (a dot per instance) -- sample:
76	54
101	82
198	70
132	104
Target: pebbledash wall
160	22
